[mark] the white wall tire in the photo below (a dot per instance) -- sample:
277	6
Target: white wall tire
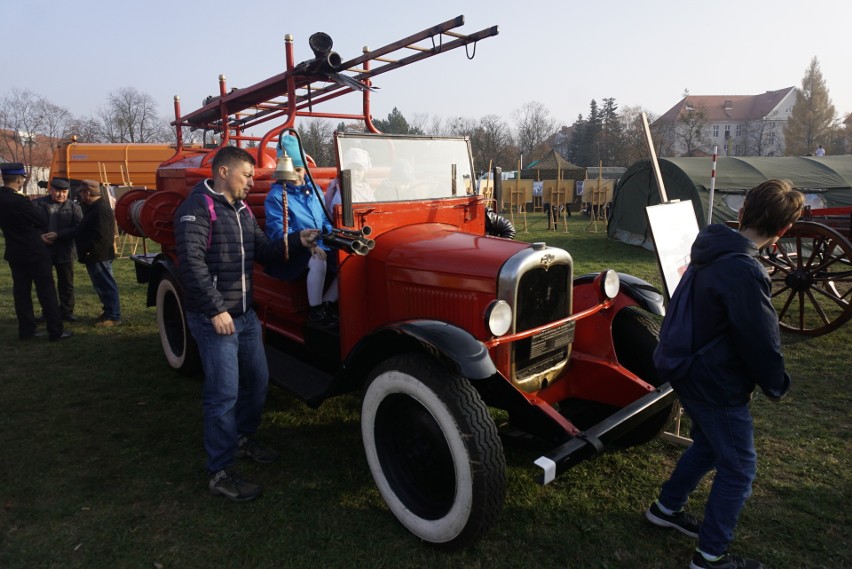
433	450
178	345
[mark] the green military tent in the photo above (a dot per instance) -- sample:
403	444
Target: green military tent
826	182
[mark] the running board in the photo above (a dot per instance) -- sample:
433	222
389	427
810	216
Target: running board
305	381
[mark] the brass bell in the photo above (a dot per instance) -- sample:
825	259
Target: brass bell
284	169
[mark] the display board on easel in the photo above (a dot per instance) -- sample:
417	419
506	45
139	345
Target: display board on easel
673	229
673	225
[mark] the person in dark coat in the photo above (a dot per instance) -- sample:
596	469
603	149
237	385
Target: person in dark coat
95	241
28	257
218	240
719	341
63	216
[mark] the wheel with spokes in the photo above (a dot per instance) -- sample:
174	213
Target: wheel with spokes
811	272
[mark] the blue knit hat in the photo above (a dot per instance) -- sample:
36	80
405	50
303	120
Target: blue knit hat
290	144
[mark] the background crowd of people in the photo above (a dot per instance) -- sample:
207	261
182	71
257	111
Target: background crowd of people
49	234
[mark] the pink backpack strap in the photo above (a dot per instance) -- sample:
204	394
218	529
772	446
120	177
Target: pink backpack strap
213	218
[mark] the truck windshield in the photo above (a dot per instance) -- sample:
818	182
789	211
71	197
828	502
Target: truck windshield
387	168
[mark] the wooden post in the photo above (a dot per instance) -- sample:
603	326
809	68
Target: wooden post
516	199
664	198
563	193
596	200
512	192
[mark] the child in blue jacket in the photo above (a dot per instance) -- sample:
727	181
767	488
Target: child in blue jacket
719	341
304	211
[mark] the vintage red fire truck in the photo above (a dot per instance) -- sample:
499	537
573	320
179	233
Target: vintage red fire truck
439	323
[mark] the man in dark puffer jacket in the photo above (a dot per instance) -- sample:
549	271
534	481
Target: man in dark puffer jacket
218	240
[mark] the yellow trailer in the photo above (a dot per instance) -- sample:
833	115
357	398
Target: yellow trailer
112	164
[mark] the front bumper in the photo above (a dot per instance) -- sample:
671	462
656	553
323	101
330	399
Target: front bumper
592	442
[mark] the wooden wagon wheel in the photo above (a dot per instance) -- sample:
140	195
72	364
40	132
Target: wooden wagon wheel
811	272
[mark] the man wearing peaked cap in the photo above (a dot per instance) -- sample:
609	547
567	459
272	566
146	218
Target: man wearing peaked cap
27	255
95	242
63	215
13	169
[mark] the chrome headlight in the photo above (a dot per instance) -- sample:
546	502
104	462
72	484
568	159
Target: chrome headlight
608	284
498	317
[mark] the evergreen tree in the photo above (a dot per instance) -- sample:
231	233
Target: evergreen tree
575	147
395	124
612	135
590	151
812	120
317	137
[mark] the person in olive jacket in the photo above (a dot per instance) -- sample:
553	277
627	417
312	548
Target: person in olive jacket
95	241
27	255
62	215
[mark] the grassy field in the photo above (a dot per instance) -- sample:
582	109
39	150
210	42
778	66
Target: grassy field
101	464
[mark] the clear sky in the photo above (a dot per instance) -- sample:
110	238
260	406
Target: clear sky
560	53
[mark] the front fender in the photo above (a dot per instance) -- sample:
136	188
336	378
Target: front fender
453	346
644	293
155	267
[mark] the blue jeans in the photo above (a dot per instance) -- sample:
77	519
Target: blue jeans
236	378
106	288
723	438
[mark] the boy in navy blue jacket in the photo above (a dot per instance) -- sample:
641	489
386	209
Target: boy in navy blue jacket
719	340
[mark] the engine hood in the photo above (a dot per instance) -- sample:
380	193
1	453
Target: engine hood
438	249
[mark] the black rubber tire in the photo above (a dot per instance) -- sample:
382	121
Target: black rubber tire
433	450
635	335
179	347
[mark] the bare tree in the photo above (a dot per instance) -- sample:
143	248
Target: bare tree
436	126
690	128
22	124
55	119
533	126
131	116
419	123
463	126
86	129
763	138
20	119
635	144
491	141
